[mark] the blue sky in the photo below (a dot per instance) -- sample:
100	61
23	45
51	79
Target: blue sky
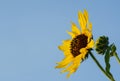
31	30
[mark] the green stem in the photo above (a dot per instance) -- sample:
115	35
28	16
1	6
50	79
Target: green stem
100	67
118	59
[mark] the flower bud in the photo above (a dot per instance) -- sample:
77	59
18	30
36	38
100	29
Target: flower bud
101	44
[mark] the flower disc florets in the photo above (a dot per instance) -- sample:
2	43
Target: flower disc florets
77	43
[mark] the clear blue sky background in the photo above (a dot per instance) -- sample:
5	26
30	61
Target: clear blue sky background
31	30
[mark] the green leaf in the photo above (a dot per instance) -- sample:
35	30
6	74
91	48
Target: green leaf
117	58
107	60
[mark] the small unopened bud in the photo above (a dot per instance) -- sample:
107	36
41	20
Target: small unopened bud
101	44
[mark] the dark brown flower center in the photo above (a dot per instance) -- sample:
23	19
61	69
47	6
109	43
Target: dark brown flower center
77	43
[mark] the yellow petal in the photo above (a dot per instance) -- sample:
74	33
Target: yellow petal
67	53
62	48
75	29
90	26
73	68
64	62
79	18
66	42
77	59
86	15
82	21
91	44
65	45
70	68
74	65
88	34
71	34
83	53
70	72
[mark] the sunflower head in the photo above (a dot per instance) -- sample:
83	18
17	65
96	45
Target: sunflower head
76	49
101	44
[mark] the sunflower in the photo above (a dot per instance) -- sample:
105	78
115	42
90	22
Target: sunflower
76	49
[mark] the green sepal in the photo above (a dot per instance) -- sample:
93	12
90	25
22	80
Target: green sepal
113	49
114	53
